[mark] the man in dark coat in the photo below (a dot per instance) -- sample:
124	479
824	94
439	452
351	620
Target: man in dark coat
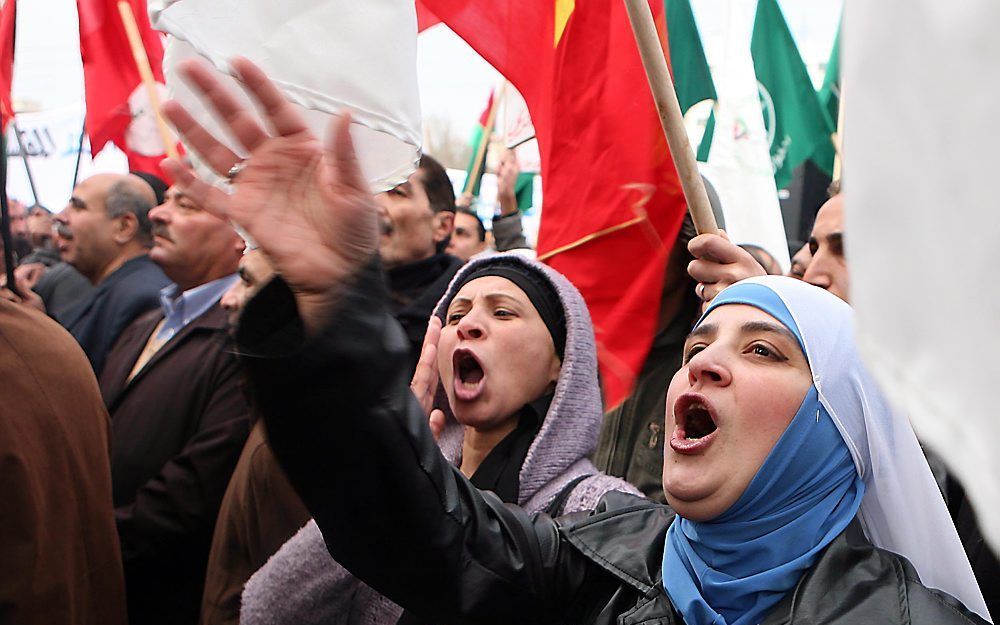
104	233
60	553
417	219
179	418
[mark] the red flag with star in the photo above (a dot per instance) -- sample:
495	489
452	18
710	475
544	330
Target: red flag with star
613	202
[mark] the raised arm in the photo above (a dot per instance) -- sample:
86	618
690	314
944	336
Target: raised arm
327	364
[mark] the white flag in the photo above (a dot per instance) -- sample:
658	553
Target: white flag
325	55
739	163
921	163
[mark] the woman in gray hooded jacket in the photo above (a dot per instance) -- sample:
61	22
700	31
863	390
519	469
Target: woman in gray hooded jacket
522	411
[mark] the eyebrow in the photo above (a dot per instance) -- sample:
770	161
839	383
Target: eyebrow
489	296
711	329
774	328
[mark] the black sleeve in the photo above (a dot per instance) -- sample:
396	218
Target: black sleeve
356	446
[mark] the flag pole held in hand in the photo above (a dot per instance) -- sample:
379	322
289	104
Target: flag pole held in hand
491	117
665	98
142	63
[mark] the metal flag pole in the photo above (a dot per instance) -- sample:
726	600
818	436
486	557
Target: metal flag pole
8	240
79	154
24	158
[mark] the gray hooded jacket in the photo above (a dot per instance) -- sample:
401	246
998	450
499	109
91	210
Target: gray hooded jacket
302	584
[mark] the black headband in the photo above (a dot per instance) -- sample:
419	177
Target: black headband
539	290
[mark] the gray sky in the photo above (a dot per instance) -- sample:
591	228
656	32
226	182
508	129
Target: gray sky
454	81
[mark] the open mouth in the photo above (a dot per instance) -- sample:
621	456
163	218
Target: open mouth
698	421
695	421
469	375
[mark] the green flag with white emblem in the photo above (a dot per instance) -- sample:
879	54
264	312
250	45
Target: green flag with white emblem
692	78
797	126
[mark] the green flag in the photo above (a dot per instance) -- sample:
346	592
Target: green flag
796	123
829	95
524	187
692	78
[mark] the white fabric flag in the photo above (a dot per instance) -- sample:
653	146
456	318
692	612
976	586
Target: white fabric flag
51	141
325	55
921	161
739	163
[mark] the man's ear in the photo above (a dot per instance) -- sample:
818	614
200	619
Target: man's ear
126	228
444	224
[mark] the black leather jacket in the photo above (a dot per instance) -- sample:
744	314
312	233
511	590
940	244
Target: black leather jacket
356	446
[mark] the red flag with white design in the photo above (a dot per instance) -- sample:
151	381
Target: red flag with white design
119	110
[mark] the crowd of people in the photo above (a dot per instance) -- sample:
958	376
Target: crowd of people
361	408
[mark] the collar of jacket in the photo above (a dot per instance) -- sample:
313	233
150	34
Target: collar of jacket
212	320
415	288
851	577
132	265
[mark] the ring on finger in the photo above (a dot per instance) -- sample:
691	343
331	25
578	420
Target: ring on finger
236	169
699	290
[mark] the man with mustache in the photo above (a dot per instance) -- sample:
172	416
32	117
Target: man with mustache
104	233
416	220
179	418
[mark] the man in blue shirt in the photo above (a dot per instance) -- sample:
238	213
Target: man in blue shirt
179	417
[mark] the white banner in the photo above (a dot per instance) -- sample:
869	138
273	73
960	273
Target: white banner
51	141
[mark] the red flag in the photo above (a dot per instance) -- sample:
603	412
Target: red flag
613	202
7	22
118	105
425	19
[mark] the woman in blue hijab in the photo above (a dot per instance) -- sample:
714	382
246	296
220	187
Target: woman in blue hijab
762	485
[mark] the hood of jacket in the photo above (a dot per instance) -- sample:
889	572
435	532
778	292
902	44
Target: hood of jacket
569	431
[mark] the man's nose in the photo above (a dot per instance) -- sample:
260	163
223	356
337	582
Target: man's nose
159	214
816	273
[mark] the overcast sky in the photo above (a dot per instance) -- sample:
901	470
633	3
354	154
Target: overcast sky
454	81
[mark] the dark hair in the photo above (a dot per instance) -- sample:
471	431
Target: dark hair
480	228
437	185
123	198
763	258
155	182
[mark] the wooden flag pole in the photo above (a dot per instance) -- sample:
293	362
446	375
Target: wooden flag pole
838	137
671	119
491	117
142	63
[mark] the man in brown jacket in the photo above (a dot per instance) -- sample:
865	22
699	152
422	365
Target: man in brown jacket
60	561
260	510
179	417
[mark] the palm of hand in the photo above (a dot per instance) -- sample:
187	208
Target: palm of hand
307	205
316	227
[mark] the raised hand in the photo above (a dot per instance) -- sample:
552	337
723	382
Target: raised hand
507	175
425	378
719	263
308	206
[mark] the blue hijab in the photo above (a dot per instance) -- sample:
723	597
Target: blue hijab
733	569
